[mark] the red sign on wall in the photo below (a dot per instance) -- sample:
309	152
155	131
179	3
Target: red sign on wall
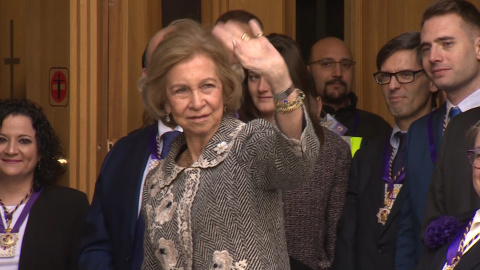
59	86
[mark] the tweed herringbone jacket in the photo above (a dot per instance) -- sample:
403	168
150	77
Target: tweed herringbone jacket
225	211
313	210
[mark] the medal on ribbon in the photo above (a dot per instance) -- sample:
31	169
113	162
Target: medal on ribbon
392	185
9	236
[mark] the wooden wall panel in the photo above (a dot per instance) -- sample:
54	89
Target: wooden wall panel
48	45
131	25
86	57
277	16
270	12
13	11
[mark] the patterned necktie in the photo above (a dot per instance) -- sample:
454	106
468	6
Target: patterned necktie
453	111
399	160
168	138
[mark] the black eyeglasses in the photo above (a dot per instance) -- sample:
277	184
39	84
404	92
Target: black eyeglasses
474	157
404	76
330	64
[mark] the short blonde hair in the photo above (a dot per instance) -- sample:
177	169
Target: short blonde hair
182	44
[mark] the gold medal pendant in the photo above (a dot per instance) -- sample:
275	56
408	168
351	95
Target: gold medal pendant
382	215
8	244
8	239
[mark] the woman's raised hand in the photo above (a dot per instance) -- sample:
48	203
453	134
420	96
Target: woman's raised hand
255	53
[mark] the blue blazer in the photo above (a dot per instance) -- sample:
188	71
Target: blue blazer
108	237
419	167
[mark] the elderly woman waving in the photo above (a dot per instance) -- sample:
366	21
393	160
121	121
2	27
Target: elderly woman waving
214	201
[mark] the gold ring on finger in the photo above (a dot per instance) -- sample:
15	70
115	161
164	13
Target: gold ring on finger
259	35
245	36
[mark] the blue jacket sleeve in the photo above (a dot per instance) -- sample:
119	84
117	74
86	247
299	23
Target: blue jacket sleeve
406	252
95	246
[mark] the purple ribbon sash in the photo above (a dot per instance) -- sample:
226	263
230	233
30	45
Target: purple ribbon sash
453	247
153	145
386	169
23	214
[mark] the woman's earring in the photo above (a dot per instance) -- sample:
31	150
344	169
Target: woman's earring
225	108
167	118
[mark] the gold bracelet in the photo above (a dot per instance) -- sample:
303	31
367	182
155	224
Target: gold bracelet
290	106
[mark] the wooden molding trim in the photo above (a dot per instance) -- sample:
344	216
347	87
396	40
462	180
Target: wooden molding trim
212	9
290	18
83	100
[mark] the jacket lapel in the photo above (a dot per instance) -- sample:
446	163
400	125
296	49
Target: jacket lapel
470	260
438	121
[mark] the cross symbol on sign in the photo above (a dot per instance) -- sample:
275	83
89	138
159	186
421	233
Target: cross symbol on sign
58	86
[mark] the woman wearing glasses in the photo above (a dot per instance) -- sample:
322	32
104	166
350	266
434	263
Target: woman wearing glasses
455	245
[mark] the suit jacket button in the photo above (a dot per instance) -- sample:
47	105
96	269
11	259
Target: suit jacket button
128	258
381	250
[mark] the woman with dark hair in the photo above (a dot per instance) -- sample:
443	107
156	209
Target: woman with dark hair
313	209
41	222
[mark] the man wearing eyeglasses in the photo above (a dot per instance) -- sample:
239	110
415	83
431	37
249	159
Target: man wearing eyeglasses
437	170
369	224
332	68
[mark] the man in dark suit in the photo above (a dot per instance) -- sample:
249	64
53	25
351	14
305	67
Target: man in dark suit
425	135
450	39
113	235
369	223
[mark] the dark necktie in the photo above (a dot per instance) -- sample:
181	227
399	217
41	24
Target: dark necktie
399	160
168	138
453	111
137	256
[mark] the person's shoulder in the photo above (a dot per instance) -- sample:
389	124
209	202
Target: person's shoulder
137	139
422	122
333	140
472	115
372	147
144	131
372	117
65	193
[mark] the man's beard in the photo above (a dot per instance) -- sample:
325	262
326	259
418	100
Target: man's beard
335	96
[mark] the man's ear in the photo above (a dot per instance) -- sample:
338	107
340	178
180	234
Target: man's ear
144	72
477	47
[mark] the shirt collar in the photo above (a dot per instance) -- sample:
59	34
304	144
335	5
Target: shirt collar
163	128
394	140
470	102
